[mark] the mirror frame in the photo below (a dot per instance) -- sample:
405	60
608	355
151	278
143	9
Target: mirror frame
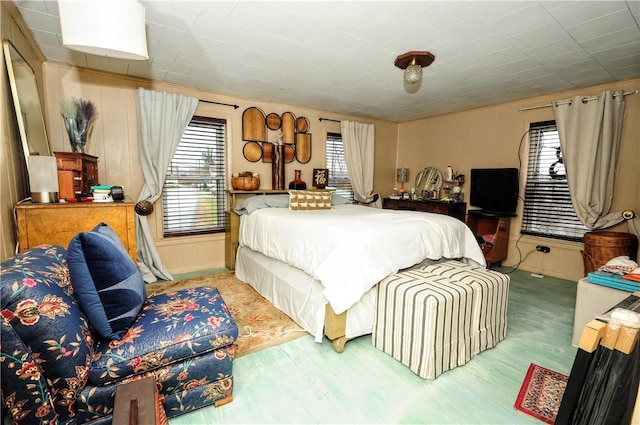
38	144
428	179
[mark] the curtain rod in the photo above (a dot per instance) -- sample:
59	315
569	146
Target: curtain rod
327	119
563	102
219	103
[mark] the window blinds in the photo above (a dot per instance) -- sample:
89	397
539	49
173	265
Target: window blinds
194	197
548	210
338	175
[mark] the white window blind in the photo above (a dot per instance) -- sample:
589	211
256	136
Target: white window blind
338	175
193	196
548	210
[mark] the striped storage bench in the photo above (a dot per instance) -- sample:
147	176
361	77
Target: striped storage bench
424	321
490	306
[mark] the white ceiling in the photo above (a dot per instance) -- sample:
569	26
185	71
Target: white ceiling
338	56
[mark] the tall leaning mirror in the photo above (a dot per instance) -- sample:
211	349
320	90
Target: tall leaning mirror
26	101
41	166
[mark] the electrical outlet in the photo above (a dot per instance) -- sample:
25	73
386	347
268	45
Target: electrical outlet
543	249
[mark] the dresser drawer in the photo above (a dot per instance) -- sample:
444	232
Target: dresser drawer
437	208
454	209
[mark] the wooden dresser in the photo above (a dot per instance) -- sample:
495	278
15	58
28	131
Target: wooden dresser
57	223
77	172
454	209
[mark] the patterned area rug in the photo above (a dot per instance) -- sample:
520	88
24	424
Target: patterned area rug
260	324
541	393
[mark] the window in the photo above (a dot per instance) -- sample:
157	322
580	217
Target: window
338	176
193	196
548	210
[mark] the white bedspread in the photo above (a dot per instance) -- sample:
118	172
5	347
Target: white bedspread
351	248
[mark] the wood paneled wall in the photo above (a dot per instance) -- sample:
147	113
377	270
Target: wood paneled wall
14	184
114	139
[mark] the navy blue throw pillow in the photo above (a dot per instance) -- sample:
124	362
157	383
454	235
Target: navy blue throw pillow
106	281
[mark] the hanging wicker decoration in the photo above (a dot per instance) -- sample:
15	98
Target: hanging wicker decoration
144	208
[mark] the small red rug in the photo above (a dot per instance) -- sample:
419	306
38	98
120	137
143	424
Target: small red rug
541	393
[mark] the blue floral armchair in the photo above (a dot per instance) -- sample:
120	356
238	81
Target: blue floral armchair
56	369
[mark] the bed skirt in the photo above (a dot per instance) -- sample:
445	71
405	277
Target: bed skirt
300	296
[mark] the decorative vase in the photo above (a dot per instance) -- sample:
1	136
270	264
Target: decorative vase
277	167
83	132
297	182
71	124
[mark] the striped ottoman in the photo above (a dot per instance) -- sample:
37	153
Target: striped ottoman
424	321
490	307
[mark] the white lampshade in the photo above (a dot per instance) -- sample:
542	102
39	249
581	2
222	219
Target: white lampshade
43	178
111	28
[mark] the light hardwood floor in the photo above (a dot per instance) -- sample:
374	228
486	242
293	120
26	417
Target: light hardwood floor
304	382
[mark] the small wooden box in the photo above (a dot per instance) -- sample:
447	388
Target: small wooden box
77	172
137	403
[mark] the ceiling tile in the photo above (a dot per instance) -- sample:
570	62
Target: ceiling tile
573	13
338	56
602	26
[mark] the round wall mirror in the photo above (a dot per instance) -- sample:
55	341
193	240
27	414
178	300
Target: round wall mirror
428	179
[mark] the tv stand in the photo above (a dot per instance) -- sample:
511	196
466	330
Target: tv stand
485	213
495	226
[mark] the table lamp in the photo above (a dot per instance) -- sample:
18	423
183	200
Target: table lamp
402	176
43	178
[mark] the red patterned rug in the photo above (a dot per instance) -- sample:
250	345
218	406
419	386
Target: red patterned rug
541	393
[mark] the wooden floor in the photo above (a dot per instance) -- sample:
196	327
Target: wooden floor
303	382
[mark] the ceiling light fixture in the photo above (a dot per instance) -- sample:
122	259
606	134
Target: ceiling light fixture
113	28
412	63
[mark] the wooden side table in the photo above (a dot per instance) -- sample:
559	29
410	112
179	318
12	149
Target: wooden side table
232	232
58	223
484	224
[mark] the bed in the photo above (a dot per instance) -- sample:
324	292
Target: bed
321	266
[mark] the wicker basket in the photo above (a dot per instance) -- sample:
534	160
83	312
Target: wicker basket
600	247
245	183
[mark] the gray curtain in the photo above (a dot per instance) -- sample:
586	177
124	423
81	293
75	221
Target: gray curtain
162	119
590	131
359	148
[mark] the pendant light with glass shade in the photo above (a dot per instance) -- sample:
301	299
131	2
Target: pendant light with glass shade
412	63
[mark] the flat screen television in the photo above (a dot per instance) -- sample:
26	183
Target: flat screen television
494	190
